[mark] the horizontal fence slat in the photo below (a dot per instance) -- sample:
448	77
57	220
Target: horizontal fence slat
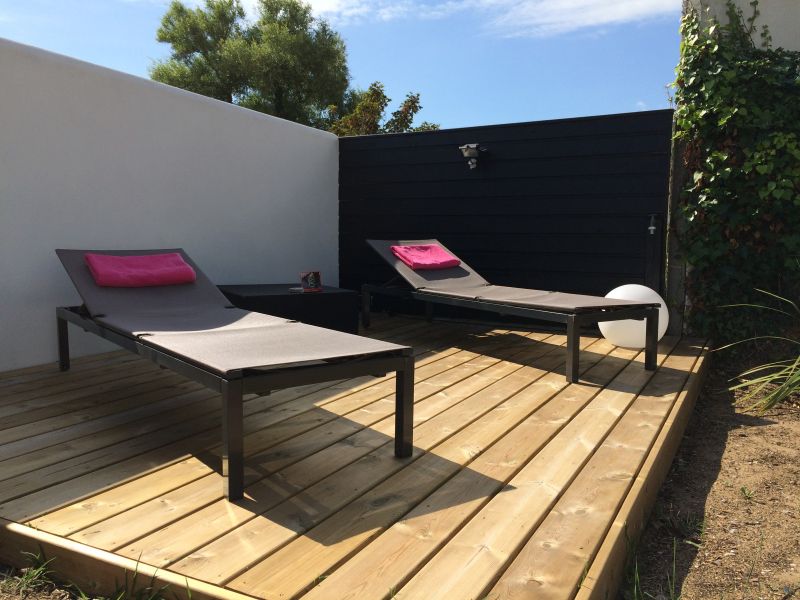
500	206
577	147
611	125
504	167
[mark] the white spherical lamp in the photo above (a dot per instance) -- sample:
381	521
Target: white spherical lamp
631	333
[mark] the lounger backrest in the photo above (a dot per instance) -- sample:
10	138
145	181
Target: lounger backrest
441	279
109	301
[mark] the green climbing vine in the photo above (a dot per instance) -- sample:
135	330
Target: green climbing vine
738	116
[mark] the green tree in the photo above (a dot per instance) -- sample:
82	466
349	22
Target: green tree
286	63
364	114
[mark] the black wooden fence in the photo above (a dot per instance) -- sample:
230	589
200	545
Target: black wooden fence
572	205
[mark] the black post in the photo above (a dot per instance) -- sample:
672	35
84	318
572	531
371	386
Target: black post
365	306
232	439
63	344
404	409
651	339
573	348
654	253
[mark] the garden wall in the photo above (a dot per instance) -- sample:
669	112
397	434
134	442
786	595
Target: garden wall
555	205
94	158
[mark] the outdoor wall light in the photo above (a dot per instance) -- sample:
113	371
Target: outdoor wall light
471	152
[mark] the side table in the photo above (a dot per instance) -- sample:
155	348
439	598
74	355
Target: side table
333	308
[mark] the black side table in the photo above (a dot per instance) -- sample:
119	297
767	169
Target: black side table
333	308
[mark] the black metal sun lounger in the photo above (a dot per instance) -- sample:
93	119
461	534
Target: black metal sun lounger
462	286
192	329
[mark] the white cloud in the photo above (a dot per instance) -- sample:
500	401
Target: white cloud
356	11
535	18
505	18
508	18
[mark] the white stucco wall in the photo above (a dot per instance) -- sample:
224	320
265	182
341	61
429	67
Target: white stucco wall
782	17
94	158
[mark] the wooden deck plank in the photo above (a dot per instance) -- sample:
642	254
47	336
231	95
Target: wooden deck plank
25	374
393	557
554	560
471	561
141	448
292	415
71	391
161	548
48	374
114	501
606	572
89	398
199	402
47	433
520	485
335	538
98	573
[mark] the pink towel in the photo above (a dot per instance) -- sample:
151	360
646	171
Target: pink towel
425	256
139	271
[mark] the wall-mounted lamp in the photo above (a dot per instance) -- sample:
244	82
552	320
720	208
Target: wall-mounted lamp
471	152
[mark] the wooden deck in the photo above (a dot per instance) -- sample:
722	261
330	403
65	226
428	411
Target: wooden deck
520	486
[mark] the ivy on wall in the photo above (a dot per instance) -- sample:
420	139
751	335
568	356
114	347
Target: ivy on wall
738	116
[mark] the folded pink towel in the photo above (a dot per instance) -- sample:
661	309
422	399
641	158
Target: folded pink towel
139	271
425	256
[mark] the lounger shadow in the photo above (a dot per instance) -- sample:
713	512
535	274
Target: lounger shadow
193	330
463	286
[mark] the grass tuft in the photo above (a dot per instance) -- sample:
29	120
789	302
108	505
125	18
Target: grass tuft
32	579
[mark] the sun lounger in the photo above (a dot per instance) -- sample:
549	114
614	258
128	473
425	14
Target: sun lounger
462	286
193	330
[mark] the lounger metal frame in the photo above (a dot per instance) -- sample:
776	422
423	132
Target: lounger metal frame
245	381
573	320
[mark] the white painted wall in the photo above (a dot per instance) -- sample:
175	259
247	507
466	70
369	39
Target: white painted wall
94	158
782	17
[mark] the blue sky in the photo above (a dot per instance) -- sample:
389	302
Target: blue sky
474	62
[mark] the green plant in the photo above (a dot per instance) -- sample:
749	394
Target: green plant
772	383
637	593
737	119
747	493
34	578
29	579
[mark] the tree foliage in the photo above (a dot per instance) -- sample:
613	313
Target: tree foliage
738	115
364	114
286	63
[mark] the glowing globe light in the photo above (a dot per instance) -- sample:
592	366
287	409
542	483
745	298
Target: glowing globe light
631	333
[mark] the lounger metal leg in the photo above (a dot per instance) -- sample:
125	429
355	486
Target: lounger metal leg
232	440
63	344
651	340
404	410
366	301
573	349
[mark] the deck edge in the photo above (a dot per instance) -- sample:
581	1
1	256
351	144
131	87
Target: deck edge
607	570
96	571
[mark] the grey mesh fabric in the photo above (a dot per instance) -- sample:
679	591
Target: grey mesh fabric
458	277
278	345
556	301
463	282
195	322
